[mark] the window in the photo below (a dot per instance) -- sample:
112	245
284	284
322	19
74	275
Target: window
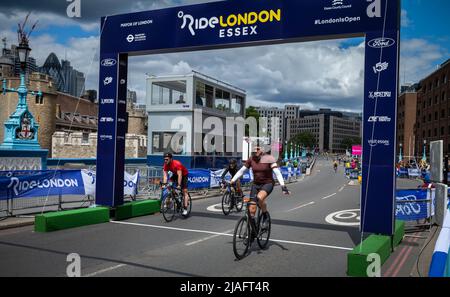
442	113
209	90
39	99
85	138
429	101
222	101
435	115
442	131
168	141
435	132
429	117
429	133
436	99
169	92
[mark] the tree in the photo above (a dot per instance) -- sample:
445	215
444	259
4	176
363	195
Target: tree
304	139
348	142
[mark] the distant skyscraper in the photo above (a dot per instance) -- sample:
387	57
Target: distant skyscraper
12	56
131	96
67	79
53	68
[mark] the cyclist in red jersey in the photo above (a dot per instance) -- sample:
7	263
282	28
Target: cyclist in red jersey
179	175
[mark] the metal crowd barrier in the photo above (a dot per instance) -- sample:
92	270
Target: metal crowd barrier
148	188
417	218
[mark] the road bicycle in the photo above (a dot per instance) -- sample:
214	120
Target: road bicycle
231	199
248	229
172	202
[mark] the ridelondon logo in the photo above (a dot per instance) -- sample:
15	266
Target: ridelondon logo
337	4
232	25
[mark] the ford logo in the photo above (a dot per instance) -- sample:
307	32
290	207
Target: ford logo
108	62
381	42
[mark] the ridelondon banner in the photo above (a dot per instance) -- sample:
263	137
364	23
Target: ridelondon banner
43	183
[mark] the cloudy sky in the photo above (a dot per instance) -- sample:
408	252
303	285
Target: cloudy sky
327	74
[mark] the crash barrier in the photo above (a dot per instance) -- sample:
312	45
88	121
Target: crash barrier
136	209
25	192
361	257
440	261
54	221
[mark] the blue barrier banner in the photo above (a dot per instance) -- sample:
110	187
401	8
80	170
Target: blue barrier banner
199	179
284	172
403	172
247	177
410	211
413	172
39	183
216	178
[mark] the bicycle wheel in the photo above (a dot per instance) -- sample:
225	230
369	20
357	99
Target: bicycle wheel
168	207
241	238
226	203
264	233
239	202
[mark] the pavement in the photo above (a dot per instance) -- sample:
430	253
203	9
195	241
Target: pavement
313	229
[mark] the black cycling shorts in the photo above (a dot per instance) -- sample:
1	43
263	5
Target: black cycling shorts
268	188
184	181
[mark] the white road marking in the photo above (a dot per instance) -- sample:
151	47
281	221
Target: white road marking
329	196
104	270
206	238
214	209
349	217
340	190
313	244
227	234
303	205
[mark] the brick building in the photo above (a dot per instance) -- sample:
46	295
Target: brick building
433	109
406	120
60	112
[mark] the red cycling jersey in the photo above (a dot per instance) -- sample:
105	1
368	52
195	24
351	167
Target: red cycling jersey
174	166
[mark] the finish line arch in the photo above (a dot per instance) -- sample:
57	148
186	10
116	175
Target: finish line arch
229	24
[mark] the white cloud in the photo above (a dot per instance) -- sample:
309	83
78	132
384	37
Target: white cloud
314	74
419	58
406	21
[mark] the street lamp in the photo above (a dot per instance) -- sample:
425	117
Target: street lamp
21	124
424	157
285	150
400	155
23	51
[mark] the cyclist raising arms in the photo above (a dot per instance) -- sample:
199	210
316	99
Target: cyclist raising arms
179	175
262	165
